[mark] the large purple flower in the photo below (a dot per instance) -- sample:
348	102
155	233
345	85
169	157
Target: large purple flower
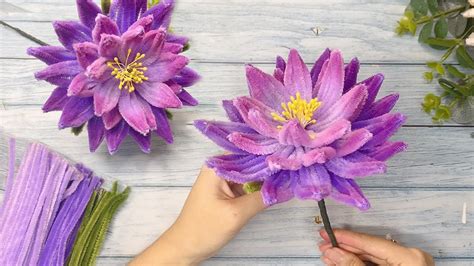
117	72
307	134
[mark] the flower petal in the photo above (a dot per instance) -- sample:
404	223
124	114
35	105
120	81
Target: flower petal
297	77
373	85
96	132
143	141
292	133
137	112
186	98
86	53
116	135
71	32
383	130
380	107
187	77
56	100
318	156
330	85
106	96
51	54
109	46
111	118
163	124
159	95
254	143
256	115
76	112
104	25
352	141
60	74
312	182
355	165
350	74
386	150
161	13
125	12
317	67
99	70
218	132
87	11
280	63
347	191
330	134
166	67
288	158
240	168
152	46
277	188
232	112
266	88
81	86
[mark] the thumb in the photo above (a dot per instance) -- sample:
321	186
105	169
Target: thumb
250	204
339	256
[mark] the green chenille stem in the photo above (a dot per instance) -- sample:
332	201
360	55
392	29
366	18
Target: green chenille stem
327	224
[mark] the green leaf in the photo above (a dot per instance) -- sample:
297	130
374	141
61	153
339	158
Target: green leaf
433	6
442	113
440	69
420	7
77	130
432	64
428	76
105	5
169	115
457	25
463	57
455	72
251	187
425	32
446	43
152	3
441	28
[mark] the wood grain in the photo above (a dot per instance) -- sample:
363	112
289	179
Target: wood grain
249	31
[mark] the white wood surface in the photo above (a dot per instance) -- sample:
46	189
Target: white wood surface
419	201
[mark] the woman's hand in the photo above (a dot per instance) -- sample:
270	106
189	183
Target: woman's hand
354	248
213	214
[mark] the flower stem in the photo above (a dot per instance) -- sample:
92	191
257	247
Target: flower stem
327	224
447	12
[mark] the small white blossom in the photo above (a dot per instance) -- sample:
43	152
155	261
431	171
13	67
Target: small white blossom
470	40
469	13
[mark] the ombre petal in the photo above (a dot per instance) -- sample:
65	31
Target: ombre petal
288	158
297	77
240	168
177	39
159	95
330	85
386	150
373	85
56	100
152	45
330	134
318	156
51	54
347	107
232	112
187	77
132	40
317	67
106	96
137	112
96	133
125	12
59	74
143	141
164	129
380	107
280	63
265	88
161	13
350	74
104	25
355	165
382	128
81	86
86	53
254	143
109	46
311	182
166	67
116	135
187	99
87	11
347	191
292	133
111	118
71	32
219	132
256	115
76	112
277	188
279	75
352	142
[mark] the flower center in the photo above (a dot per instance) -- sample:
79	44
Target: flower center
129	73
299	109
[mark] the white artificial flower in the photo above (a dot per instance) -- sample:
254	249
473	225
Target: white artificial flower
469	13
470	40
471	2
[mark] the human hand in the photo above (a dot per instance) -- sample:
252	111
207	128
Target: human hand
354	248
213	214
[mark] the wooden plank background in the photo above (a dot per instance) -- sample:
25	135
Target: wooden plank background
419	201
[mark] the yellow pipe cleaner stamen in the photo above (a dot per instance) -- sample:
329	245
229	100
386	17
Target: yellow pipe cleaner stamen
129	73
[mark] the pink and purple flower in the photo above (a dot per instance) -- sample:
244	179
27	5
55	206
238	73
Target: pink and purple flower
117	72
306	133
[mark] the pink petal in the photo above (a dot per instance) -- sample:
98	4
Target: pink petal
104	25
106	96
81	86
159	95
137	112
109	46
331	83
166	67
333	132
297	77
86	53
352	142
289	158
294	134
318	156
266	88
254	143
111	118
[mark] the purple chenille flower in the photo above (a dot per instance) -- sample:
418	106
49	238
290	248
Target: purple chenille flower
307	134
117	72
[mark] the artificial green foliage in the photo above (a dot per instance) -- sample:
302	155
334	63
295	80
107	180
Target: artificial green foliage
152	3
105	5
252	187
97	217
441	26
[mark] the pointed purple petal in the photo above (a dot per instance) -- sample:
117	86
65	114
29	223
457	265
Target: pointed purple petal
96	132
56	100
277	188
254	143
297	77
383	130
187	77
71	32
373	85
81	86
159	95
125	12
109	46
163	125
240	168
386	150
60	74
86	53
116	135
106	96
331	133
76	112
257	115
331	83
280	63
111	118
312	183
352	142
166	67
187	99
161	13
218	132
266	88
355	165
51	54
144	142
347	191
292	133
318	156
104	25
350	74
232	112
288	158
317	67
380	107
137	112
87	11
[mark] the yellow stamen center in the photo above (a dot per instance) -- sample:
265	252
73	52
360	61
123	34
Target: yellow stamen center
129	73
299	109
